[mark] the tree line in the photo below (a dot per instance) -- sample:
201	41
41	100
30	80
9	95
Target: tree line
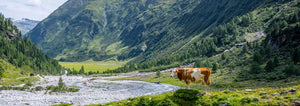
22	52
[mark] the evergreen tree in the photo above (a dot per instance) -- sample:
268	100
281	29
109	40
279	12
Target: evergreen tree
158	73
257	57
245	49
81	71
61	84
1	71
276	61
270	66
296	55
215	67
255	68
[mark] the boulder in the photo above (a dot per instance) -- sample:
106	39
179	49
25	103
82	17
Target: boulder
263	93
297	102
255	99
224	104
248	90
293	91
275	94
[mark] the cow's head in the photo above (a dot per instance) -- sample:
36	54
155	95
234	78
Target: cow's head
173	73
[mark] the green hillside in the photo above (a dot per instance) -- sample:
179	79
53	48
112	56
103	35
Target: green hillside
145	29
19	56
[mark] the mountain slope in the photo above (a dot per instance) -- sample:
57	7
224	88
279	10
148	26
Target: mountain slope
21	53
25	25
145	29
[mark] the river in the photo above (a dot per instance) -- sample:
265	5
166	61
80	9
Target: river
93	90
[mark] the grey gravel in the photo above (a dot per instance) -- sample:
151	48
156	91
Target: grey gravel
93	91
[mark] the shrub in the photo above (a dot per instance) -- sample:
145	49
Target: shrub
38	88
29	83
50	87
73	90
226	91
166	102
246	100
187	94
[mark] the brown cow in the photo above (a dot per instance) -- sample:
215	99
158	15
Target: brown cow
194	75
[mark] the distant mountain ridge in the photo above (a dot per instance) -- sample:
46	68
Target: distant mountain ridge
141	29
25	24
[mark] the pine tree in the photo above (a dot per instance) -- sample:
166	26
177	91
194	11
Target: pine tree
81	71
61	84
270	66
255	68
215	67
257	57
276	61
1	71
158	73
296	56
245	49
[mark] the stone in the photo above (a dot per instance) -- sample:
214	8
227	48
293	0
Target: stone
263	93
248	90
156	82
284	92
293	91
224	104
255	99
297	102
275	94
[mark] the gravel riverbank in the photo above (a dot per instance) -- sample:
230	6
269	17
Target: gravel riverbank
93	90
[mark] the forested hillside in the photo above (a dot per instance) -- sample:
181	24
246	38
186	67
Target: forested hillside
142	29
21	54
161	34
262	44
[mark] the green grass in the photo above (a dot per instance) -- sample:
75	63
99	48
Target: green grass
93	66
235	98
15	76
219	81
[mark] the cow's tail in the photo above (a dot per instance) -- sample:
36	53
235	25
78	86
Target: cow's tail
206	78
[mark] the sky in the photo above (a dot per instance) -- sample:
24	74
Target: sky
31	9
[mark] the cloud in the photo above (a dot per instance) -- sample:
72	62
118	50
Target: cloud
34	3
32	9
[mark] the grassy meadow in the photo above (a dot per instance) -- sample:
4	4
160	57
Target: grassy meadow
15	76
253	97
93	66
219	81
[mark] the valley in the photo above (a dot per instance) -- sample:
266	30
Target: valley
112	52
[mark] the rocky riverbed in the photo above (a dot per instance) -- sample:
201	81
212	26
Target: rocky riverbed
93	90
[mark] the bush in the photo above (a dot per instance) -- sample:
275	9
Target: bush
166	102
39	88
29	83
292	70
50	87
246	100
187	94
73	90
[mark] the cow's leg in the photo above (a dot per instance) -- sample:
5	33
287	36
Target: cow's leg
187	85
